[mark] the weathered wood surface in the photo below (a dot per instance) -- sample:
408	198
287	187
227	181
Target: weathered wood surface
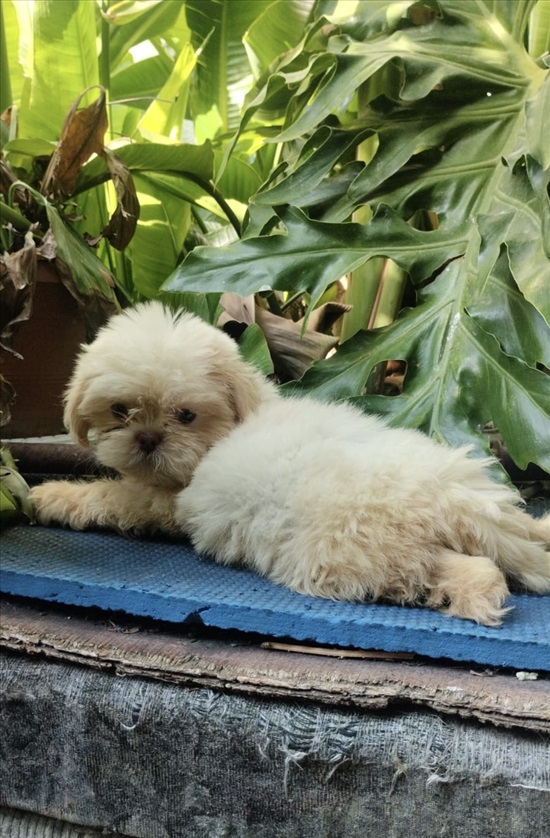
128	648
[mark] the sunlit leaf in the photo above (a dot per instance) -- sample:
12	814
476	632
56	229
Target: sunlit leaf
30	147
64	63
138	84
11	71
275	30
123	12
144	22
166	113
223	74
158	241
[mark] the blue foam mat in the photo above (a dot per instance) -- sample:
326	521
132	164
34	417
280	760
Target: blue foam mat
169	581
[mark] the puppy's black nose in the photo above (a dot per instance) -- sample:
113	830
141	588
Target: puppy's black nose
148	440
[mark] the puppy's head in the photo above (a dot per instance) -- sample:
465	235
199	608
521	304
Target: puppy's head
157	390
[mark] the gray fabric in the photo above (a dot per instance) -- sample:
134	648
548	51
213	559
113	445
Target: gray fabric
16	824
159	761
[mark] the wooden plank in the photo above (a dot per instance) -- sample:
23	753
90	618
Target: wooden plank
128	648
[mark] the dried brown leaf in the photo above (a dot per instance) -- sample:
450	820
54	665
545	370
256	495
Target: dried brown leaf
7	398
323	318
237	308
82	135
122	225
17	284
292	352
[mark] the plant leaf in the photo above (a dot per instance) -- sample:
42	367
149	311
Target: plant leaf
278	28
11	71
458	376
123	12
461	132
82	273
254	348
159	238
223	73
166	113
292	348
318	156
503	311
177	158
143	22
310	255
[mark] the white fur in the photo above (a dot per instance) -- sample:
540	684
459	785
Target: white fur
318	497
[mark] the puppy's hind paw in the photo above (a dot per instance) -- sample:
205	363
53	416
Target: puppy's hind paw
470	587
487	611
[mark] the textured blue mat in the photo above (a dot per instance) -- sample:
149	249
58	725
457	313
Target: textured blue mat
168	581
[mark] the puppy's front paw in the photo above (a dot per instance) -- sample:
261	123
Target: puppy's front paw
60	502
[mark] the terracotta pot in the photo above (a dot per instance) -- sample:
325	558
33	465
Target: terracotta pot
48	342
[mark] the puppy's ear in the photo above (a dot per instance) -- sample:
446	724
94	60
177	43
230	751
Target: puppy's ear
244	386
76	423
244	390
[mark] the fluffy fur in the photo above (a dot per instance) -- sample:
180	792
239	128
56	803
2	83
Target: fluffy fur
318	497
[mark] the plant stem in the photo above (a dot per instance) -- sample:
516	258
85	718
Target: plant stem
20	184
291	300
13	217
273	302
105	61
5	85
199	222
391	284
211	190
105	57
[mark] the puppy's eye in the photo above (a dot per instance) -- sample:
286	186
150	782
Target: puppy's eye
185	416
119	410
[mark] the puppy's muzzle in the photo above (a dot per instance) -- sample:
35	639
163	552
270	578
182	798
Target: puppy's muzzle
148	440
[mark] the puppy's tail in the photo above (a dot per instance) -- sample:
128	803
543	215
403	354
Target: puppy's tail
504	532
479	517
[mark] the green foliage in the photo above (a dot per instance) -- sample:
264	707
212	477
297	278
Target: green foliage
445	113
146	60
15	505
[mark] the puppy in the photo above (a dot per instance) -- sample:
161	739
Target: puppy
319	497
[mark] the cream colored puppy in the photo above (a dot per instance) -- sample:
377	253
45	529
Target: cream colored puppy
319	497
